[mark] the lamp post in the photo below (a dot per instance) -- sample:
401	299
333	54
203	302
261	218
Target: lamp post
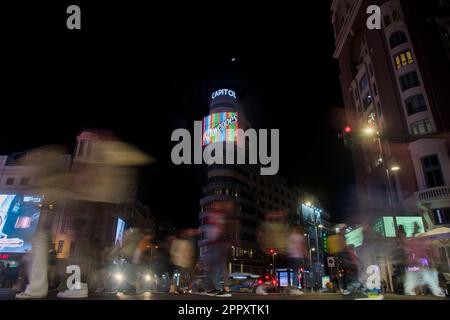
371	132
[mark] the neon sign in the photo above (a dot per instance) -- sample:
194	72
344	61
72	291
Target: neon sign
224	92
220	127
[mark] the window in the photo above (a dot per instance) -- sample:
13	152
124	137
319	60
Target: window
72	248
60	246
9	181
409	80
403	59
363	83
422	127
441	216
24	181
415	104
396	16
367	101
375	90
387	20
432	171
397	38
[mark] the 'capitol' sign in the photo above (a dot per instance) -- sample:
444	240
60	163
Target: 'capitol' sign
224	92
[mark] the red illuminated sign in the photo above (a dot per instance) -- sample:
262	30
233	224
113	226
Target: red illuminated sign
4	256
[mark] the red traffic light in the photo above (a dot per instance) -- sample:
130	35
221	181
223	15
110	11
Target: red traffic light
348	129
272	251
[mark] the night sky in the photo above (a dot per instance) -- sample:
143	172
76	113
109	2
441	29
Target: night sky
145	71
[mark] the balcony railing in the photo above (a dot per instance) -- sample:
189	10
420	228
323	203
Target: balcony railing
434	193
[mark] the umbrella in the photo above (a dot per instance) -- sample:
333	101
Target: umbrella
441	236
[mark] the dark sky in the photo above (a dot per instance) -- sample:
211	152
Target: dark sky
144	71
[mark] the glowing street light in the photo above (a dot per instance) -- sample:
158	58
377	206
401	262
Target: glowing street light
308	204
395	168
369	131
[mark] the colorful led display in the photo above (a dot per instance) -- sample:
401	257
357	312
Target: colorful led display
220	127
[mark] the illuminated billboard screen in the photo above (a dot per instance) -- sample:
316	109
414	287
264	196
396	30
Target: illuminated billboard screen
220	127
408	224
355	237
19	218
385	226
120	229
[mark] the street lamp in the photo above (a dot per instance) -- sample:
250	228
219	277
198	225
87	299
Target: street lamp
395	168
369	131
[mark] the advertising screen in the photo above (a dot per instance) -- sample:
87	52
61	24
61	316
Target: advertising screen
355	237
19	218
220	127
284	279
120	229
408	224
385	226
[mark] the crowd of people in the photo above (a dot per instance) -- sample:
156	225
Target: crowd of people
143	263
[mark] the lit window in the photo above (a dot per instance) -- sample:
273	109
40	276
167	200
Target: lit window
422	127
60	246
403	59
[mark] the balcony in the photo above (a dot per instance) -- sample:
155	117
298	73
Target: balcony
434	198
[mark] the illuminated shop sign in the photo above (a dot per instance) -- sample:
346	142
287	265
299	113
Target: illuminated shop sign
224	92
220	127
19	218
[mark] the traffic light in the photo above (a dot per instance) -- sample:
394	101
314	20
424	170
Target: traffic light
347	136
271	251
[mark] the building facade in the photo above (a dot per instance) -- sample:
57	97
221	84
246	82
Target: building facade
251	196
395	82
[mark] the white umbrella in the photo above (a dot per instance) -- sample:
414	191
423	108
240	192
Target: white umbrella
438	235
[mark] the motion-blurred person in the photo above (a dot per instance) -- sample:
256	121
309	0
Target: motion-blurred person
220	227
182	254
105	175
273	232
297	252
351	270
142	259
336	247
419	272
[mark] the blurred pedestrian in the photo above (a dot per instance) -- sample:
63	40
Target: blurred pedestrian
419	271
296	252
182	254
220	228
